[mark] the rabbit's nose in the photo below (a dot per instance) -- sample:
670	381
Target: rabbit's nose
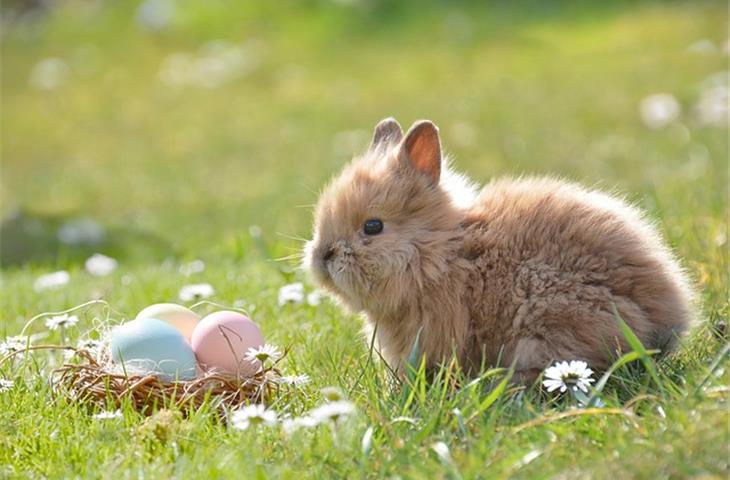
328	254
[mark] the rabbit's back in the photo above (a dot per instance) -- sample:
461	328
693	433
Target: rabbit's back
553	259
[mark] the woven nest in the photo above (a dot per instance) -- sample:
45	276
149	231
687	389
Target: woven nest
93	382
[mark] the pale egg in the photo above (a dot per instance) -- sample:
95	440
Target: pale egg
221	340
151	346
178	316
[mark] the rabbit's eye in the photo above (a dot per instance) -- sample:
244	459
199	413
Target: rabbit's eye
372	226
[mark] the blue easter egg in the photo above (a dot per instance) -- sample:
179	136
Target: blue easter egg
153	347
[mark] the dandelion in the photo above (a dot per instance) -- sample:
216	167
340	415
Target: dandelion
100	265
52	280
659	110
13	344
6	384
196	291
263	353
61	321
292	293
252	415
334	411
108	415
563	375
295	380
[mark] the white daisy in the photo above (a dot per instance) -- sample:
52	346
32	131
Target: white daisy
94	347
659	110
6	384
108	415
295	380
333	411
81	231
332	394
564	375
13	344
49	74
196	266
290	425
314	298
100	265
249	415
292	293
196	291
90	344
712	106
61	321
263	353
51	280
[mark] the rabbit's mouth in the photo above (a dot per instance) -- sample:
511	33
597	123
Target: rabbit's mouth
332	270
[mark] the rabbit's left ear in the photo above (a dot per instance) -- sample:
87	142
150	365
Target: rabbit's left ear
421	149
386	131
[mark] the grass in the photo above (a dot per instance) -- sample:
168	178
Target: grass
180	173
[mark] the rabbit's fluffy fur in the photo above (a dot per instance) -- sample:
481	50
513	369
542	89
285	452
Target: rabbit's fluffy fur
526	272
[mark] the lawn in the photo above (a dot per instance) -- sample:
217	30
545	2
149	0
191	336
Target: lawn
175	133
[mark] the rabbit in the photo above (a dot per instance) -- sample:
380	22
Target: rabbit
523	273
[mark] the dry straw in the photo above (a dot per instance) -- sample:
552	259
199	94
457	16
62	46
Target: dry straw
91	378
95	383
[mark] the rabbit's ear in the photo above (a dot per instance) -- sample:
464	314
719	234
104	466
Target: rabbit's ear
421	149
386	131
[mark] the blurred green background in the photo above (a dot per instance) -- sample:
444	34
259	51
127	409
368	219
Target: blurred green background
165	128
188	139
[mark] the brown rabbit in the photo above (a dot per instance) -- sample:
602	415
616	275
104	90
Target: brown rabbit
526	272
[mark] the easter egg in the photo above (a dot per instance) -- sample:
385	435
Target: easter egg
221	340
153	347
178	316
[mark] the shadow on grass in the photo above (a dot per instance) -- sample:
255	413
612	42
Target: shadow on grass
35	238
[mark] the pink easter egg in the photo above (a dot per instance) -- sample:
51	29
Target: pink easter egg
221	340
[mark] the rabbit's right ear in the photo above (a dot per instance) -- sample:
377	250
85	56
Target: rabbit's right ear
386	131
421	150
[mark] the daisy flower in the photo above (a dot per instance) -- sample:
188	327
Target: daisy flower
564	375
51	280
249	415
94	347
107	415
89	344
659	110
196	291
263	353
100	265
333	411
196	266
314	298
61	321
13	344
332	394
6	384
292	293
295	380
290	425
